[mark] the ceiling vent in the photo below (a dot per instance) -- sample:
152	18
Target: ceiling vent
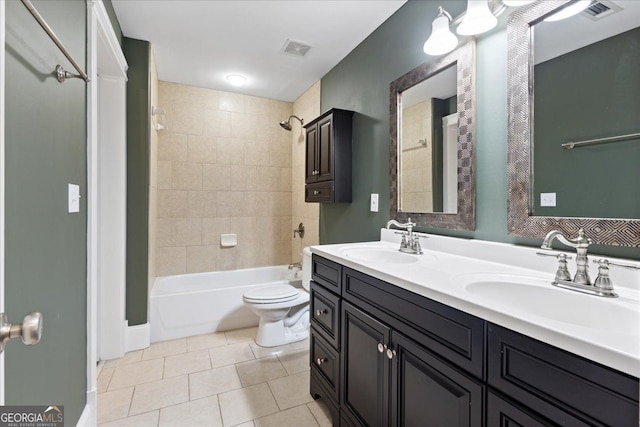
601	9
295	48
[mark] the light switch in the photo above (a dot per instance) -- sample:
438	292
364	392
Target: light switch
548	199
74	198
374	202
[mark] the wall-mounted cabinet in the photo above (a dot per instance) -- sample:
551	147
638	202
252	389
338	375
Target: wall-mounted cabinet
328	158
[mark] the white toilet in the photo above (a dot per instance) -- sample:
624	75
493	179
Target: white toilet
283	310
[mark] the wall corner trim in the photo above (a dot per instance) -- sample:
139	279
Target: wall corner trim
137	337
89	416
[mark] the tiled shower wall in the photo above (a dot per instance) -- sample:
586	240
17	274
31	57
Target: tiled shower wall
224	166
307	107
153	172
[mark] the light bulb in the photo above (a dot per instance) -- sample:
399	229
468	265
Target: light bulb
442	40
569	11
516	3
477	19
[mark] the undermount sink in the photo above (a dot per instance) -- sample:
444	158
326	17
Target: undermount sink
538	297
382	254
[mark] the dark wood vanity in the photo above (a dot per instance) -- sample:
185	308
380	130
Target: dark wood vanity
384	356
328	158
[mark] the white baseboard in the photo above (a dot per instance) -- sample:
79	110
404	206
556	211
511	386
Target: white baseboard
137	337
89	416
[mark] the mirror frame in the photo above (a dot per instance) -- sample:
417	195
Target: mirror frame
520	218
465	218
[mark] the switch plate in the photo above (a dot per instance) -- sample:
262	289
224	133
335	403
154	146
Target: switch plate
74	198
548	199
374	202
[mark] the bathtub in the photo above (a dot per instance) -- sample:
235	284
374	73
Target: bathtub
193	304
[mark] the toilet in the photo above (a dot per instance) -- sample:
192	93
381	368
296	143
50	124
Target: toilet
283	310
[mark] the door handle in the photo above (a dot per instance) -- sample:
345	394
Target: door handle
30	330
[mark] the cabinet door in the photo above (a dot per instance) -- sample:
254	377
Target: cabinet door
365	369
325	150
503	414
311	152
425	391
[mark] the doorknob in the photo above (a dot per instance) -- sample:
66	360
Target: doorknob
30	330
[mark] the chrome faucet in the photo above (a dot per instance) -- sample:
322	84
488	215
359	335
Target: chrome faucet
581	244
297	265
410	244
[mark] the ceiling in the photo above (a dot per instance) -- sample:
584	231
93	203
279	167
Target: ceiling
199	43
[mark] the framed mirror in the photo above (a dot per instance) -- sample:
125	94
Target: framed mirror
432	149
573	153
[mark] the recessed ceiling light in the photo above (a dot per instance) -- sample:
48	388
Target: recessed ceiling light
236	80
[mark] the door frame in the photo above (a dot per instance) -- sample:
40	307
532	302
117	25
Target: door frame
2	67
103	49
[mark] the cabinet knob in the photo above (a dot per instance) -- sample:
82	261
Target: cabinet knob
381	347
316	192
321	360
320	312
390	353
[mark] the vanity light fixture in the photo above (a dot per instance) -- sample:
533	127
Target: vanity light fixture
516	3
478	19
569	11
236	80
441	40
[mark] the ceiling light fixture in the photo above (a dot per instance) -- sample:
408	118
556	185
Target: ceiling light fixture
569	11
477	19
236	80
441	40
516	3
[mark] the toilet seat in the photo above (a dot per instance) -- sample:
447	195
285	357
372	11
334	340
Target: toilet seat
271	294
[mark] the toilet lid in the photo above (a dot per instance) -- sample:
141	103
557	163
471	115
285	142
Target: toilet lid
272	294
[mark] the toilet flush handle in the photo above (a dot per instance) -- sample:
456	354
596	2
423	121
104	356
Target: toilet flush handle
30	330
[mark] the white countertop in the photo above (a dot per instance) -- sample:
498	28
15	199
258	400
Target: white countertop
590	326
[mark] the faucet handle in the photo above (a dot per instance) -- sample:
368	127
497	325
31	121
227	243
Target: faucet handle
562	273
417	249
605	262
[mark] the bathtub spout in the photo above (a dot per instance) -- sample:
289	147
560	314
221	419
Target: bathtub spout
294	316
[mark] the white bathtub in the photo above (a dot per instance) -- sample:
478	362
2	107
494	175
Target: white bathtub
193	304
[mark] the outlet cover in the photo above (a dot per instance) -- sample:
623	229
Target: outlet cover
374	202
548	199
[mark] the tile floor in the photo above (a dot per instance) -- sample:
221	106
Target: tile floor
221	379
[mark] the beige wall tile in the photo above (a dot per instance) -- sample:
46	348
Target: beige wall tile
186	119
163	233
186	176
201	149
172	146
171	260
216	123
216	177
230	203
231	102
212	228
186	231
164	175
201	258
203	98
230	151
202	204
172	204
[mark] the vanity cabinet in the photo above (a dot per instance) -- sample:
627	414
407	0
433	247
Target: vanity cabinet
396	358
328	157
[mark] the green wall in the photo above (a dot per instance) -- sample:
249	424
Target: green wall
46	255
360	82
585	94
137	53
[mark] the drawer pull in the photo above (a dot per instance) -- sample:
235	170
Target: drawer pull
316	192
321	360
321	312
381	347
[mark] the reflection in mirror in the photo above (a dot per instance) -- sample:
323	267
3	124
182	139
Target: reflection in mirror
432	150
428	153
586	87
595	185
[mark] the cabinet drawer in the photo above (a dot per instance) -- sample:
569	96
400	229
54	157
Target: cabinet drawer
325	313
455	335
326	273
319	192
544	377
325	361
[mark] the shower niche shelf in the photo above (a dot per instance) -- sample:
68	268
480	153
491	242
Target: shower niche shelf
328	158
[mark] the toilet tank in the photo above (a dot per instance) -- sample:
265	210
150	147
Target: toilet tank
306	268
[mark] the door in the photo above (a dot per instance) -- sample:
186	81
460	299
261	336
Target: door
311	152
426	391
44	250
365	367
325	150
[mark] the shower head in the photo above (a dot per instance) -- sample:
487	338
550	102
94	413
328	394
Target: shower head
286	124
